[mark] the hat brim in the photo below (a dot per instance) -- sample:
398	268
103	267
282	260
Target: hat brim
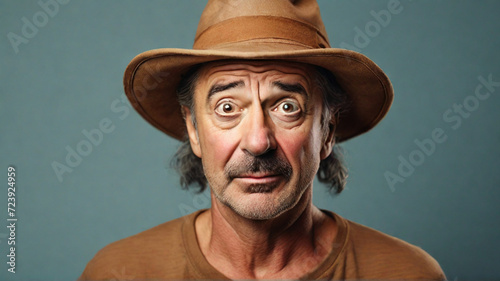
151	80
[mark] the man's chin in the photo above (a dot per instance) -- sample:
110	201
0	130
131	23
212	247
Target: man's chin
258	214
260	188
260	206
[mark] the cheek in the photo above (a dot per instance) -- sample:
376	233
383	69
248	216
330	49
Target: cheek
302	148
216	147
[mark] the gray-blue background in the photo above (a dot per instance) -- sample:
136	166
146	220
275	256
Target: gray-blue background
67	77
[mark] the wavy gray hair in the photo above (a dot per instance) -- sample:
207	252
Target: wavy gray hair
332	170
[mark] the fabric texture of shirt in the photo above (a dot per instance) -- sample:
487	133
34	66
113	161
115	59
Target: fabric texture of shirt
171	251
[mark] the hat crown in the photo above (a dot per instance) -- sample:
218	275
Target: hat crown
227	24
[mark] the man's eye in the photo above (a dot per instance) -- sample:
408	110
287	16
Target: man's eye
288	107
226	108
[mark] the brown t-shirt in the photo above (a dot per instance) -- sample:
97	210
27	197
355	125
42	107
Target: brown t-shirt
171	251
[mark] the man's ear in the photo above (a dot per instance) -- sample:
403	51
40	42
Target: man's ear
328	142
192	133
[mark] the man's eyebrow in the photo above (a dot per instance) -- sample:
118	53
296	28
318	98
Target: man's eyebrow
216	88
292	88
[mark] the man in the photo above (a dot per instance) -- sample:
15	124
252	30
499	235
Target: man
260	103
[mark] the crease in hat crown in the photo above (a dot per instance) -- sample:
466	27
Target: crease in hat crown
232	22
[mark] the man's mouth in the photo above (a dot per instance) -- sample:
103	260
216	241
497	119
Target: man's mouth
258	182
258	178
256	175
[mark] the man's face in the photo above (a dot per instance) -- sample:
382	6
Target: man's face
258	134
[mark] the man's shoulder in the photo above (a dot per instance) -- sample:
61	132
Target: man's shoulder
147	240
128	258
382	253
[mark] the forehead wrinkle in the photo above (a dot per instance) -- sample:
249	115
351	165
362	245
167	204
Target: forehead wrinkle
251	72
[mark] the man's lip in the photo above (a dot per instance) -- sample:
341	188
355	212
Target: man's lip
258	178
257	175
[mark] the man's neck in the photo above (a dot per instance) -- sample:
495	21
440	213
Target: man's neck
286	247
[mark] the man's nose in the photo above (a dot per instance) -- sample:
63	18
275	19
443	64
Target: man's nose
258	136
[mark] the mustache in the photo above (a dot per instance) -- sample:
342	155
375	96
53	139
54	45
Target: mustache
271	164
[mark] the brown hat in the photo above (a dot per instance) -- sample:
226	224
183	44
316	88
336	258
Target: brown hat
289	30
